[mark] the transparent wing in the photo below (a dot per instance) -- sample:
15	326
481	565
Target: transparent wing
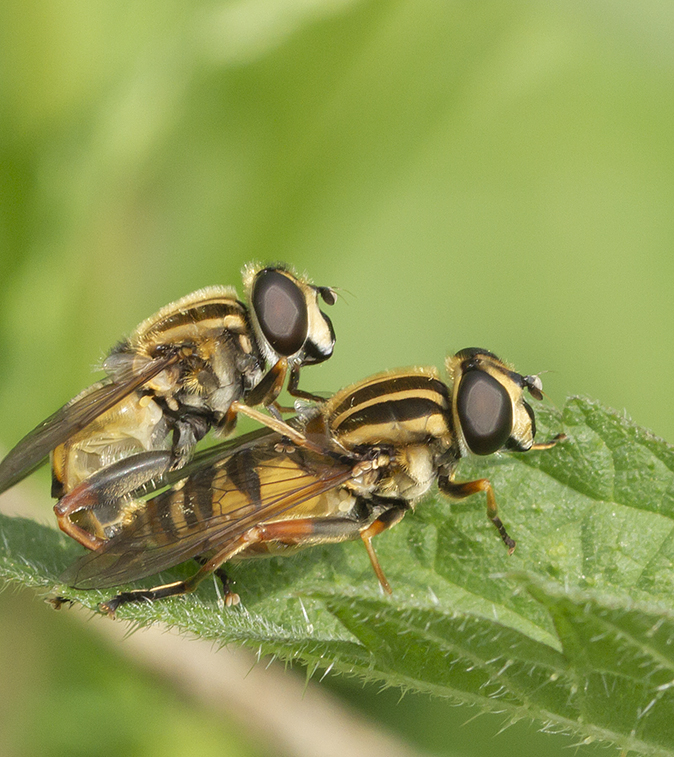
217	455
214	506
32	450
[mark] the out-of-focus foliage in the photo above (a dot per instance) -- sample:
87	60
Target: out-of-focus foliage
499	175
65	692
493	174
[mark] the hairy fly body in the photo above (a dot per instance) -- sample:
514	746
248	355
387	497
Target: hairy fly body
351	471
187	369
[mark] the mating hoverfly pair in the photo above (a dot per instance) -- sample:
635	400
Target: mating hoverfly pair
346	468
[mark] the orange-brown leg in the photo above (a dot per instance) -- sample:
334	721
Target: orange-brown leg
270	386
230	597
549	444
325	530
465	489
281	427
80	498
297	531
385	521
292	532
271	421
110	484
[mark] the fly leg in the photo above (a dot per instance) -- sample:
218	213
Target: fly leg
270	385
458	490
549	444
108	486
297	531
295	391
177	588
231	597
264	393
385	521
306	531
298	438
187	432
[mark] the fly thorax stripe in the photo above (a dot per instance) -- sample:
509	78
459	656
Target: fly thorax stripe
189	331
401	395
405	420
211	317
379	388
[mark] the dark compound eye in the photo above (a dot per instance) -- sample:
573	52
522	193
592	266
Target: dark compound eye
485	412
329	296
281	311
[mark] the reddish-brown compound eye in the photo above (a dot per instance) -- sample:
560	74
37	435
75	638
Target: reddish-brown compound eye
485	412
281	311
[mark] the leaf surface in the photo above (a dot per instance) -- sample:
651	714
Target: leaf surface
575	630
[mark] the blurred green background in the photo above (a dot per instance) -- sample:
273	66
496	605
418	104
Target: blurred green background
495	174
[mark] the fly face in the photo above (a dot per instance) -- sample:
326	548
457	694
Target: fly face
371	453
489	408
286	316
186	369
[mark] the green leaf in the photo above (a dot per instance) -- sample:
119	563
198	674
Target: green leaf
574	630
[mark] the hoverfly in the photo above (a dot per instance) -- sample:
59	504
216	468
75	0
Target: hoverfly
368	454
189	368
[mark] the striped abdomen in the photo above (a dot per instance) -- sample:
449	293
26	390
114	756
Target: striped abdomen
244	489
